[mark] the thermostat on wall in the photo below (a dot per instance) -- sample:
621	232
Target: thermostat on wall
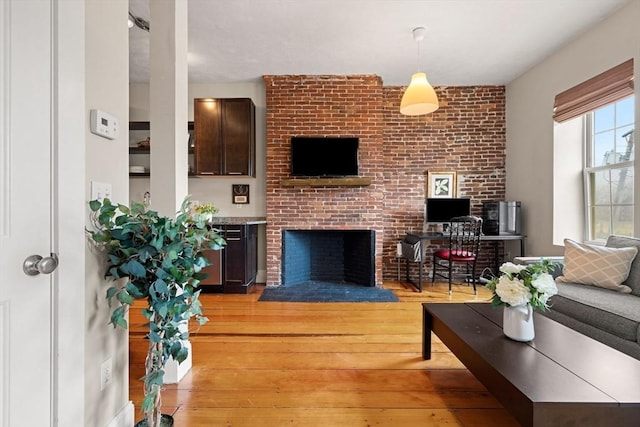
104	124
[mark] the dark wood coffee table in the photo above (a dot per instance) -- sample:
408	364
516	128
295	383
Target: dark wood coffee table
560	378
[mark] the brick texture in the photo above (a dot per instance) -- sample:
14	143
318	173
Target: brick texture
466	135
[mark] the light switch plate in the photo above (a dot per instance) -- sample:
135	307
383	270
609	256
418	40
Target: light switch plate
100	190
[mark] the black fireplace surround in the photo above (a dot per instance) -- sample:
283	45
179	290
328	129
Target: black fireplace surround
329	256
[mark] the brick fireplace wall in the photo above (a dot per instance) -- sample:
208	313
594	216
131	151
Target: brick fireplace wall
466	135
323	106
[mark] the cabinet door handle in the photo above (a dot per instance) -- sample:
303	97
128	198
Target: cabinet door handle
234	173
232	239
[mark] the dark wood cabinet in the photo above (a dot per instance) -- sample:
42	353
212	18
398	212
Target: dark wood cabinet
225	136
233	270
240	260
213	282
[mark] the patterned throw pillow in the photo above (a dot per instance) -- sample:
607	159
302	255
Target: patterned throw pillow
597	265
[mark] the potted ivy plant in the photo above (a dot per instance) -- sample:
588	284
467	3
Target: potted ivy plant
160	260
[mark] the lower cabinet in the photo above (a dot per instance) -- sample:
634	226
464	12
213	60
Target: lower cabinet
213	282
233	269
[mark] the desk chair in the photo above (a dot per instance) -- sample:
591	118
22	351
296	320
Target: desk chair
464	244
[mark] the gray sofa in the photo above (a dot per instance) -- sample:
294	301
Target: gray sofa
608	316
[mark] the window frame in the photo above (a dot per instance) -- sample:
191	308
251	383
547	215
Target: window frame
588	171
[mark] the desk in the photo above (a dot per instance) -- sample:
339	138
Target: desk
484	238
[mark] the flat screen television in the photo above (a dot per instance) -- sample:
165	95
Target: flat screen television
324	156
440	210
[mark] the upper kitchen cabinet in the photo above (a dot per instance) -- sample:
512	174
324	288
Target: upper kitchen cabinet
225	136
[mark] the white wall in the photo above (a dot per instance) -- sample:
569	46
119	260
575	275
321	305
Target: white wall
217	190
69	290
530	126
107	88
568	181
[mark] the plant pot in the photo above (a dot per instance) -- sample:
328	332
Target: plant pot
166	420
517	322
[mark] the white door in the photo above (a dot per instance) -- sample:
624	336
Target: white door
26	127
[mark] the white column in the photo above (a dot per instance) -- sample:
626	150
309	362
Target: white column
168	101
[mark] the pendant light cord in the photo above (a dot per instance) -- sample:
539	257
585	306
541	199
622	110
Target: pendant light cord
418	36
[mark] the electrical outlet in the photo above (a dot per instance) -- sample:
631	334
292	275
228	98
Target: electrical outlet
106	373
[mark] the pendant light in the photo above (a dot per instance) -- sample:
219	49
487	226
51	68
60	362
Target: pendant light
419	98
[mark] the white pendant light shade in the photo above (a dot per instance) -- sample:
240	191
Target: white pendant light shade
419	98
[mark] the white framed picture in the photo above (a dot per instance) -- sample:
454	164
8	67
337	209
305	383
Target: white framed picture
441	184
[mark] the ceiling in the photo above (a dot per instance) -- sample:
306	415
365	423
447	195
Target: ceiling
468	42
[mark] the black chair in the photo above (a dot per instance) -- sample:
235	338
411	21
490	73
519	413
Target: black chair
464	243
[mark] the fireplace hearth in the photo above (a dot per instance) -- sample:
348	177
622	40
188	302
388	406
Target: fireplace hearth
337	256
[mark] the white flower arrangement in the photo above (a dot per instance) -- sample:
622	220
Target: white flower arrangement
524	284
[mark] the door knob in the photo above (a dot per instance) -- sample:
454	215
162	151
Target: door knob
35	264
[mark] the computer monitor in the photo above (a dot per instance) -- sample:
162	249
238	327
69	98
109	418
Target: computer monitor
440	210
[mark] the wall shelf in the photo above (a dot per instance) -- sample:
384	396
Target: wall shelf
147	150
326	182
148	174
138	131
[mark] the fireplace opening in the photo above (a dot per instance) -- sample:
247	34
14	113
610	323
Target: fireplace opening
335	256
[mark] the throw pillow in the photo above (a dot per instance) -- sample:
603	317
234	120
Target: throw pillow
597	265
633	281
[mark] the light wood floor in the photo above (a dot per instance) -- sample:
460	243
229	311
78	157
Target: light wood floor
321	364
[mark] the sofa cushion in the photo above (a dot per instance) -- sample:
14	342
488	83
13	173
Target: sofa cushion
633	281
608	310
605	267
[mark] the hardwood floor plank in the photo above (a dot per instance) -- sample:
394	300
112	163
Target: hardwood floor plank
331	361
320	364
211	378
211	346
312	417
321	399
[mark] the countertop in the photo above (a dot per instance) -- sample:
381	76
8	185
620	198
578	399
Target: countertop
238	220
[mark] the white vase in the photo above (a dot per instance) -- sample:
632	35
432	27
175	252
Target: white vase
207	217
517	322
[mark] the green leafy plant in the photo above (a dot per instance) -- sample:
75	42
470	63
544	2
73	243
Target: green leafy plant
159	259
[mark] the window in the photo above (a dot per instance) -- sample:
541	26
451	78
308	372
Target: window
609	169
594	157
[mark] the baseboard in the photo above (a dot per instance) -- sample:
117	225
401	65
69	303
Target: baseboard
125	417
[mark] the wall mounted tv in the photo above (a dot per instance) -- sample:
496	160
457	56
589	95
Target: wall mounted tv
324	156
441	210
